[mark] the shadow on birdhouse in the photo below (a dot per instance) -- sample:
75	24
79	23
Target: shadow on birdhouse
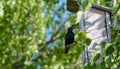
72	5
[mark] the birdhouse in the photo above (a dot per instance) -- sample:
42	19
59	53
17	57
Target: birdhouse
72	5
96	23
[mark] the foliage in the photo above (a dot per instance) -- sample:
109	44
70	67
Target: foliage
20	25
32	36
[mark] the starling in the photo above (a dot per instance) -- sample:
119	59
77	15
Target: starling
69	39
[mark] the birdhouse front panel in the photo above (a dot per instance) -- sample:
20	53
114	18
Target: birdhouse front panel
96	24
95	28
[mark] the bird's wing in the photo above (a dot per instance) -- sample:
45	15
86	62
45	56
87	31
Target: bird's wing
69	38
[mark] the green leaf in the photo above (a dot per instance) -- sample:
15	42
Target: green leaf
76	31
103	44
102	65
82	35
88	66
109	49
72	19
108	60
79	16
78	42
88	41
96	57
117	9
82	48
86	5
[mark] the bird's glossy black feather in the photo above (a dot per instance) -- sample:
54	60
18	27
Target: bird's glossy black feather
69	39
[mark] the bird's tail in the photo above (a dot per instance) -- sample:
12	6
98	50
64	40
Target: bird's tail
66	49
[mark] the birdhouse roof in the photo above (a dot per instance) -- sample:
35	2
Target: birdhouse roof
102	8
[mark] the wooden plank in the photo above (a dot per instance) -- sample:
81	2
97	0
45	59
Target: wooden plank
82	28
82	24
95	29
108	27
102	8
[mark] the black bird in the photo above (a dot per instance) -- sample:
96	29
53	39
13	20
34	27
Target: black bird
69	39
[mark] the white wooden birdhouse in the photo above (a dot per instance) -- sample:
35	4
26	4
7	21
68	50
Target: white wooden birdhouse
97	24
